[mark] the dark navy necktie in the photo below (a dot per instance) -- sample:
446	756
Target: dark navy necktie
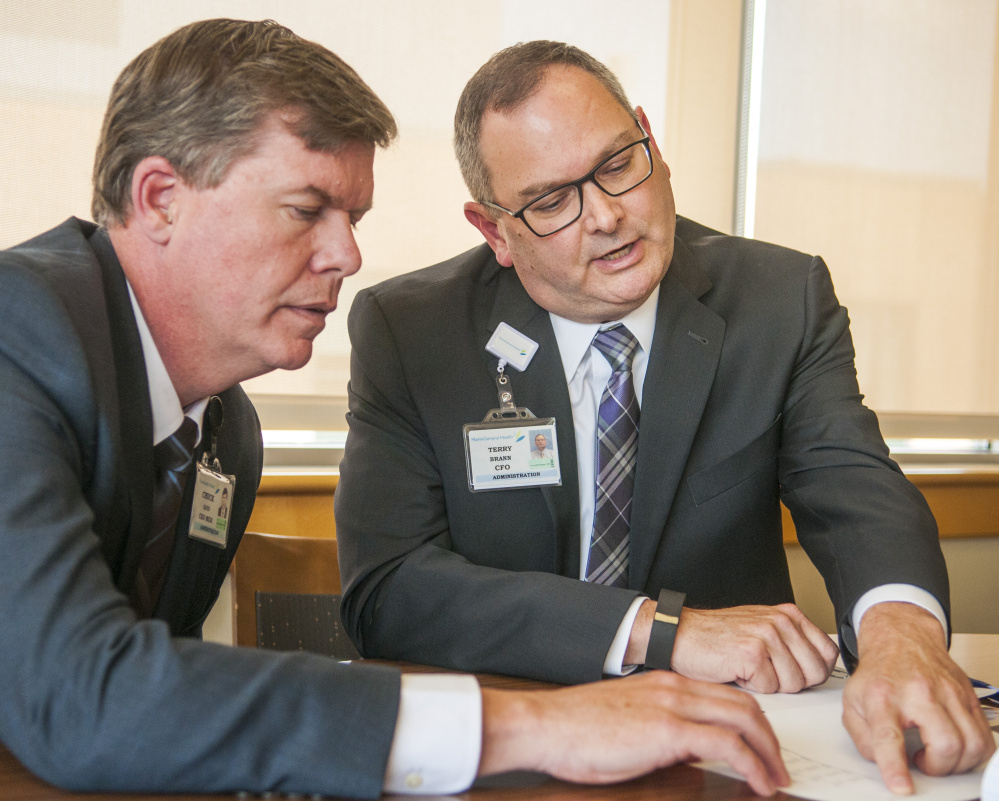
173	458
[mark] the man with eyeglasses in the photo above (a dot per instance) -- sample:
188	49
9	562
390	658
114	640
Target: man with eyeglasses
560	207
695	381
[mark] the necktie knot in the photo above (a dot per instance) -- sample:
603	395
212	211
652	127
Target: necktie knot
618	345
176	451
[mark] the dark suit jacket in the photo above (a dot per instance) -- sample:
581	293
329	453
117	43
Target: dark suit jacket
94	698
750	397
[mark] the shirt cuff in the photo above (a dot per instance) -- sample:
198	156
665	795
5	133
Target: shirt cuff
438	735
906	593
614	661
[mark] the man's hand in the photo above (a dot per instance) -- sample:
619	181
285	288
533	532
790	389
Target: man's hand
615	730
906	679
763	648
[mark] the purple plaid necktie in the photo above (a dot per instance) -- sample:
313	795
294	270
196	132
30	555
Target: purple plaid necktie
616	457
173	457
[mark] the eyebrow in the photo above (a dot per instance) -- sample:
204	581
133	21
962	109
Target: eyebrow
536	190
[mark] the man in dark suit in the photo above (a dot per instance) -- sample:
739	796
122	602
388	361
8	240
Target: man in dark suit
695	380
234	160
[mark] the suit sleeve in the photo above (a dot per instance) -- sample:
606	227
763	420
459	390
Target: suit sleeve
408	593
859	519
95	699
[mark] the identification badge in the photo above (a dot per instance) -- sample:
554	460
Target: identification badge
214	491
213	494
511	448
522	453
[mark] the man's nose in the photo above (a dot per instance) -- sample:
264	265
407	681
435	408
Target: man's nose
601	212
335	247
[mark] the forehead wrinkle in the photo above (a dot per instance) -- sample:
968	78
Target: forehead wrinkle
537	189
328	200
321	195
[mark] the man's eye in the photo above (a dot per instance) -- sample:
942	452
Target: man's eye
552	204
306	212
616	167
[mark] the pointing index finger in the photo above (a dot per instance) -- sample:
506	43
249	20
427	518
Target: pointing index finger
888	750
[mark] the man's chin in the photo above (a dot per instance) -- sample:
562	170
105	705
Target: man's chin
294	357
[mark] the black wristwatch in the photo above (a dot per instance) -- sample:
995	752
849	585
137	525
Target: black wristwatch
664	626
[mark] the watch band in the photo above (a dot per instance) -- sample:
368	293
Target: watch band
664	626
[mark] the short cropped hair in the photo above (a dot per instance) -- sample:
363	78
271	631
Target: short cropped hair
508	79
198	97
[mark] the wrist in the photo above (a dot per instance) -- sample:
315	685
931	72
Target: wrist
510	725
892	622
638	643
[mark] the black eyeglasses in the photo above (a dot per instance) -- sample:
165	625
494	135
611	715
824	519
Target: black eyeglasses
560	207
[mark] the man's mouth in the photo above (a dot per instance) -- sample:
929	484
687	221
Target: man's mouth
317	308
619	253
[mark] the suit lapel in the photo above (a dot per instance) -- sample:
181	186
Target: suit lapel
682	365
134	410
81	288
542	389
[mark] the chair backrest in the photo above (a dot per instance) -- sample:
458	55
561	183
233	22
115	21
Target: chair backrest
303	622
278	564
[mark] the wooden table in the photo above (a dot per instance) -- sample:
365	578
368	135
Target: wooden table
978	654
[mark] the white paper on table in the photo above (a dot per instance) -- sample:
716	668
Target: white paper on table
823	761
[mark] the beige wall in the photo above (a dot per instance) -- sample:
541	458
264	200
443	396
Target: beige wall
699	141
879	150
909	260
40	191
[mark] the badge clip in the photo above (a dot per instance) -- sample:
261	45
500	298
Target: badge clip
216	418
508	410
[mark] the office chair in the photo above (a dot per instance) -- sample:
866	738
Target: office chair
286	595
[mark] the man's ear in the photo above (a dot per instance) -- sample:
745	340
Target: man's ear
643	120
478	215
154	185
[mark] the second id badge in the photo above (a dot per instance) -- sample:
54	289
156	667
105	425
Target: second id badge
213	494
511	448
214	490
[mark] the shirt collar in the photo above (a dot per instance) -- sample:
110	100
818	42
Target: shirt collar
574	338
167	413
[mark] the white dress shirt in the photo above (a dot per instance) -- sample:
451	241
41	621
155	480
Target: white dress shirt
587	373
438	732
